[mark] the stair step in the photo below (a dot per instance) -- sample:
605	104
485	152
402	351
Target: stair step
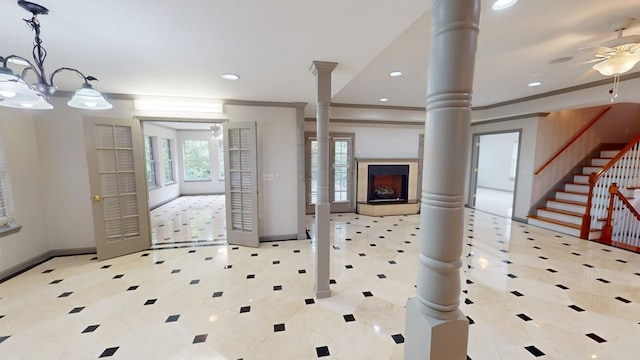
581	179
587	170
609	153
577	188
572	196
562	227
568	217
564	213
599	162
567	205
555	225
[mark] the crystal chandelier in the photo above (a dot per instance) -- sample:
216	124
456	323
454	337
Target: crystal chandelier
16	93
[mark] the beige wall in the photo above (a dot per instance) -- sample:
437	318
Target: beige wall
18	131
277	156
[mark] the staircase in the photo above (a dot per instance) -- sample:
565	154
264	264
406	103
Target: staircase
565	211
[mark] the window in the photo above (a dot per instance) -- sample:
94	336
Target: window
4	211
5	190
196	160
313	156
341	160
340	172
220	158
167	154
150	161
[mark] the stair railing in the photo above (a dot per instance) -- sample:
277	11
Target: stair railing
624	170
623	221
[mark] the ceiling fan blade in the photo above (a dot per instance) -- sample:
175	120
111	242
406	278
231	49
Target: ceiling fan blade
592	61
596	50
635	49
587	74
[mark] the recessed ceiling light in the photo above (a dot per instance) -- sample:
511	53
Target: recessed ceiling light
230	76
384	99
503	4
534	83
395	73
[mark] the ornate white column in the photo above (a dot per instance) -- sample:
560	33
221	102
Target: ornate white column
322	70
302	219
435	327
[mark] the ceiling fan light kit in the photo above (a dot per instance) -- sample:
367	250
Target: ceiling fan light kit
617	64
16	93
617	56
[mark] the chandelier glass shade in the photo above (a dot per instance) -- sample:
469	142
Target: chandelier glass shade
15	92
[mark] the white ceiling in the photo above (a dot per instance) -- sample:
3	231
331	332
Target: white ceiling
180	48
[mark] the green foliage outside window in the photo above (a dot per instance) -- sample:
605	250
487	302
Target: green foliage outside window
196	160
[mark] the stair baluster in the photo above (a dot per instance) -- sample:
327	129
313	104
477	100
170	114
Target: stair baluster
622	170
622	226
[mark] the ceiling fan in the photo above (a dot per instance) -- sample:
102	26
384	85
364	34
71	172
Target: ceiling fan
618	56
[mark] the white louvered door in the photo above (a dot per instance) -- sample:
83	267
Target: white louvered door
117	180
241	183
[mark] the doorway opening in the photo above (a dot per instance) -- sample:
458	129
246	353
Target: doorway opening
184	167
494	172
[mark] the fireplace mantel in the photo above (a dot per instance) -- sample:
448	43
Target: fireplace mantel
410	206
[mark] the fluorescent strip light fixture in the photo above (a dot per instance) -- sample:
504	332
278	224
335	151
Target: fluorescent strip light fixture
180	105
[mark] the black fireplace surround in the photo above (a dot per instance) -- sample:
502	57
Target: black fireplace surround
388	183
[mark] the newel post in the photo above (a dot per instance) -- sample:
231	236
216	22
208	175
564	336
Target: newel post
586	219
607	229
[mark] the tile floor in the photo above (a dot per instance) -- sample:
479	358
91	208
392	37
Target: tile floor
527	292
189	219
496	202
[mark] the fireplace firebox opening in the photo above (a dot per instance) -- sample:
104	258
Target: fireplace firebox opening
388	183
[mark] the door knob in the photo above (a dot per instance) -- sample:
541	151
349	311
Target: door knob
96	197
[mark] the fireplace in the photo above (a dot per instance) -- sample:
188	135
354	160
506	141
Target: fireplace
388	183
387	187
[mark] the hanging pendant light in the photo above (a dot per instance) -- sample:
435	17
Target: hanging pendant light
88	98
16	93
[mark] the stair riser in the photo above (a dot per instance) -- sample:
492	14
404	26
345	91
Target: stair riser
584	189
577	220
566	207
572	197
